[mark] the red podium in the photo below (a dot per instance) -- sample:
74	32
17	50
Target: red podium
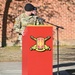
37	50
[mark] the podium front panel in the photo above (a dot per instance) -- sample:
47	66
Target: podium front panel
37	50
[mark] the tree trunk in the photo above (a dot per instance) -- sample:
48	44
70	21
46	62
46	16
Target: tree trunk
4	26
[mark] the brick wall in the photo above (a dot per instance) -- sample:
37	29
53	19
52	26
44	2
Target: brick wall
58	12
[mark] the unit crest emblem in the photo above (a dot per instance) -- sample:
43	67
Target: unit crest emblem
40	43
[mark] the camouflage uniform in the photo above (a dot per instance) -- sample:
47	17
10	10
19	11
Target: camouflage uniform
22	21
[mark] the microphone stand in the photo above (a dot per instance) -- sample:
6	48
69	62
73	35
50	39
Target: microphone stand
57	30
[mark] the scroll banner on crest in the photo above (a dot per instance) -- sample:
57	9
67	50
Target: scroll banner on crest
37	50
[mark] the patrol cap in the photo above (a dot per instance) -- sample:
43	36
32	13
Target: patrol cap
29	7
35	8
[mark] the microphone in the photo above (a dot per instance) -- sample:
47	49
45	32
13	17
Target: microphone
50	23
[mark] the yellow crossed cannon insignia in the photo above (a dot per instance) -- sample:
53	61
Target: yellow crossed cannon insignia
40	43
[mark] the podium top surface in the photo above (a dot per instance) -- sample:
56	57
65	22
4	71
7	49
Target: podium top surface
39	26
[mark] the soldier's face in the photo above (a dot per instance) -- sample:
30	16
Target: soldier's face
34	12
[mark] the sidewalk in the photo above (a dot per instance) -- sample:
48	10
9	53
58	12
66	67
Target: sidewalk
63	67
15	68
10	68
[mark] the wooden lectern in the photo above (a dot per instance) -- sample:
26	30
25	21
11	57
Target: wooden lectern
37	50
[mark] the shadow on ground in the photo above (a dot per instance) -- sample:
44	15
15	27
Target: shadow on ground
71	71
64	65
65	71
61	73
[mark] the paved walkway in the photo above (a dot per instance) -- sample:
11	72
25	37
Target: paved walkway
15	68
10	68
63	67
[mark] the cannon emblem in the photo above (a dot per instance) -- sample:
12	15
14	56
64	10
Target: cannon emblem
40	43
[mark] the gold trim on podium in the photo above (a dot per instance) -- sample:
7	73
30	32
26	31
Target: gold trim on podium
39	25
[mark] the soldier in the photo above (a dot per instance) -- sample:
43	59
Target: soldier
26	19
